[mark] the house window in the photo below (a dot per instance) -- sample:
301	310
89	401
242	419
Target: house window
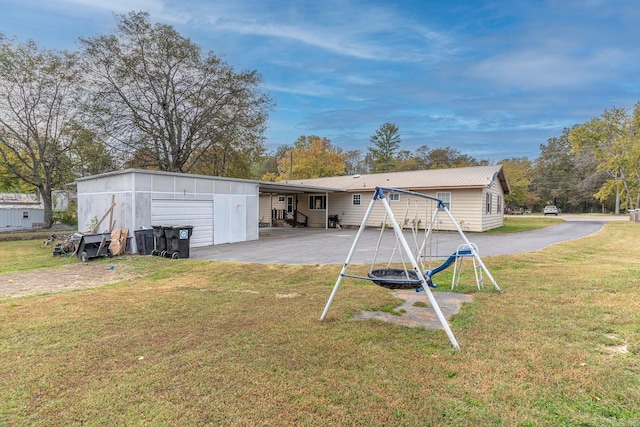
280	199
446	199
394	197
25	214
356	199
499	204
488	203
317	203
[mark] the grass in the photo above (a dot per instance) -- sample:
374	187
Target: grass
210	343
516	224
25	255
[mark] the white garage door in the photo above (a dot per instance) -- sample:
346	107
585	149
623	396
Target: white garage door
197	213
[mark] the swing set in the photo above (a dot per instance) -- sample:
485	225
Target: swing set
415	272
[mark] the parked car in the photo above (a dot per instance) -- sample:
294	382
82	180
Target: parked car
550	210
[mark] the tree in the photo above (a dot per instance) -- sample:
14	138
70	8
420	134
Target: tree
386	142
406	161
444	157
555	172
89	155
39	98
311	157
519	172
354	163
155	92
267	168
615	142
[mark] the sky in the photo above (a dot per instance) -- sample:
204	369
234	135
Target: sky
491	79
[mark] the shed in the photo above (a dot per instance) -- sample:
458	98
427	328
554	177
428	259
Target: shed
20	211
221	210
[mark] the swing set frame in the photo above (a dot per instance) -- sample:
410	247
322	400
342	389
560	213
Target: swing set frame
415	278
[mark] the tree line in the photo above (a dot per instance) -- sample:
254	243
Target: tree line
591	167
147	97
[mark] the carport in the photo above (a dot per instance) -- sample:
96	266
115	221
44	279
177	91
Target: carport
290	193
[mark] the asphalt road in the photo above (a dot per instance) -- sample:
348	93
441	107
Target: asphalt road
318	246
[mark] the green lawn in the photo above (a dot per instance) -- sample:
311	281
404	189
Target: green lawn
211	343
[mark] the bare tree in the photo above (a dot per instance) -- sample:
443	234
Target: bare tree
38	102
155	92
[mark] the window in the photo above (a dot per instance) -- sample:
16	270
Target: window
317	203
280	199
499	204
446	199
356	199
25	214
394	197
488	203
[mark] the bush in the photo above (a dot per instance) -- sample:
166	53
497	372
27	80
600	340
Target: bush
68	217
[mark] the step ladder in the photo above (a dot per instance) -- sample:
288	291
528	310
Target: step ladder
461	253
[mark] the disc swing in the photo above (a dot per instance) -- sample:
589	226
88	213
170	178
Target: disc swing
398	278
412	275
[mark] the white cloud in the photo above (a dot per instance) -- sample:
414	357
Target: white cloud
158	9
535	68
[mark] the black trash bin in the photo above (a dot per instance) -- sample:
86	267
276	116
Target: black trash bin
178	240
159	242
144	241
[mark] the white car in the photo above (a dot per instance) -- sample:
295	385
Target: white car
550	210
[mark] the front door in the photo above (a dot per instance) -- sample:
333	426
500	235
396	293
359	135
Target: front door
290	207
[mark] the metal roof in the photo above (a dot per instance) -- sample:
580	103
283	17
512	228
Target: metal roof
455	178
289	188
264	186
20	201
431	179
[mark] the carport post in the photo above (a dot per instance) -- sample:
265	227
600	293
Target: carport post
326	211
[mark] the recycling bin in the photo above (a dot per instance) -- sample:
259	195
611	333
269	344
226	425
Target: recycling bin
178	239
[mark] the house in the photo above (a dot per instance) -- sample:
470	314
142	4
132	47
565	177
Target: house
227	210
474	195
20	212
221	210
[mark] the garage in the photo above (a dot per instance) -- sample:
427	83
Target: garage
221	210
197	213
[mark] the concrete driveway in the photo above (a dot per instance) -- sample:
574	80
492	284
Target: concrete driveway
319	246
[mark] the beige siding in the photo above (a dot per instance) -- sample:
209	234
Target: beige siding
465	208
266	205
495	218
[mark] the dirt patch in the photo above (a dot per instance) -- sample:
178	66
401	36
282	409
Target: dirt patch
416	311
64	278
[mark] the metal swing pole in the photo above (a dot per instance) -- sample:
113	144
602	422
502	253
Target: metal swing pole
416	268
351	252
475	253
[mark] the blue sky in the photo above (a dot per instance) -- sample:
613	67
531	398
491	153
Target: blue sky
493	79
